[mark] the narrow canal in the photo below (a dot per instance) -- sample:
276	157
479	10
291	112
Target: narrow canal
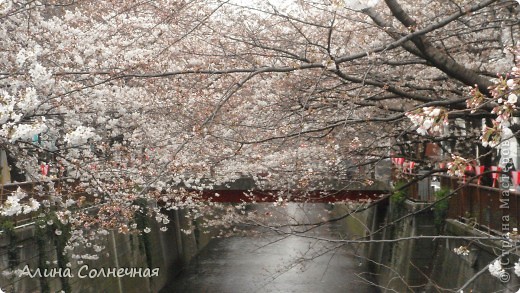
266	261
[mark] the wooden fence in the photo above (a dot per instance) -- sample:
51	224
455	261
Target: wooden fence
491	209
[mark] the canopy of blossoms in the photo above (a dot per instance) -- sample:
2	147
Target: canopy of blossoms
152	101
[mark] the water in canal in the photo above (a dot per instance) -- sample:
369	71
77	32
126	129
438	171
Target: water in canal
264	261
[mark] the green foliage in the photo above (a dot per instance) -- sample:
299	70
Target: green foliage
440	210
41	239
7	228
399	195
45	234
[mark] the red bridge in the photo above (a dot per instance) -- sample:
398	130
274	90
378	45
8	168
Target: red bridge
236	192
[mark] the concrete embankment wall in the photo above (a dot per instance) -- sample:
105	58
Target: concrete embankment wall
165	252
424	265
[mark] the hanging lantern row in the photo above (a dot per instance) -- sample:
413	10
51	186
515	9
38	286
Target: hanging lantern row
406	166
398	161
479	170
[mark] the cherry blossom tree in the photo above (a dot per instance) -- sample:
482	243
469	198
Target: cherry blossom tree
133	101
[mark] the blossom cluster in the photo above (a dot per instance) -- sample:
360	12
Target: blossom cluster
495	268
80	135
491	135
505	94
5	6
457	166
85	256
13	110
461	250
12	206
430	120
476	99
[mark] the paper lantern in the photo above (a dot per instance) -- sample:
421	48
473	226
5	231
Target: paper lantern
411	166
496	173
479	170
44	169
399	161
469	168
515	175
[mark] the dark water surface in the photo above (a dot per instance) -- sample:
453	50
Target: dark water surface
267	262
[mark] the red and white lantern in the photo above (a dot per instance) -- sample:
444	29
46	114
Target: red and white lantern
399	161
44	168
469	168
515	175
496	173
479	170
411	165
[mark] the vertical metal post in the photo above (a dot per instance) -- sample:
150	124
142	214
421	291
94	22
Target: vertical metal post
116	259
178	233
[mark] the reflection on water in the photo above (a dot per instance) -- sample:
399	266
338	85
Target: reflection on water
267	262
